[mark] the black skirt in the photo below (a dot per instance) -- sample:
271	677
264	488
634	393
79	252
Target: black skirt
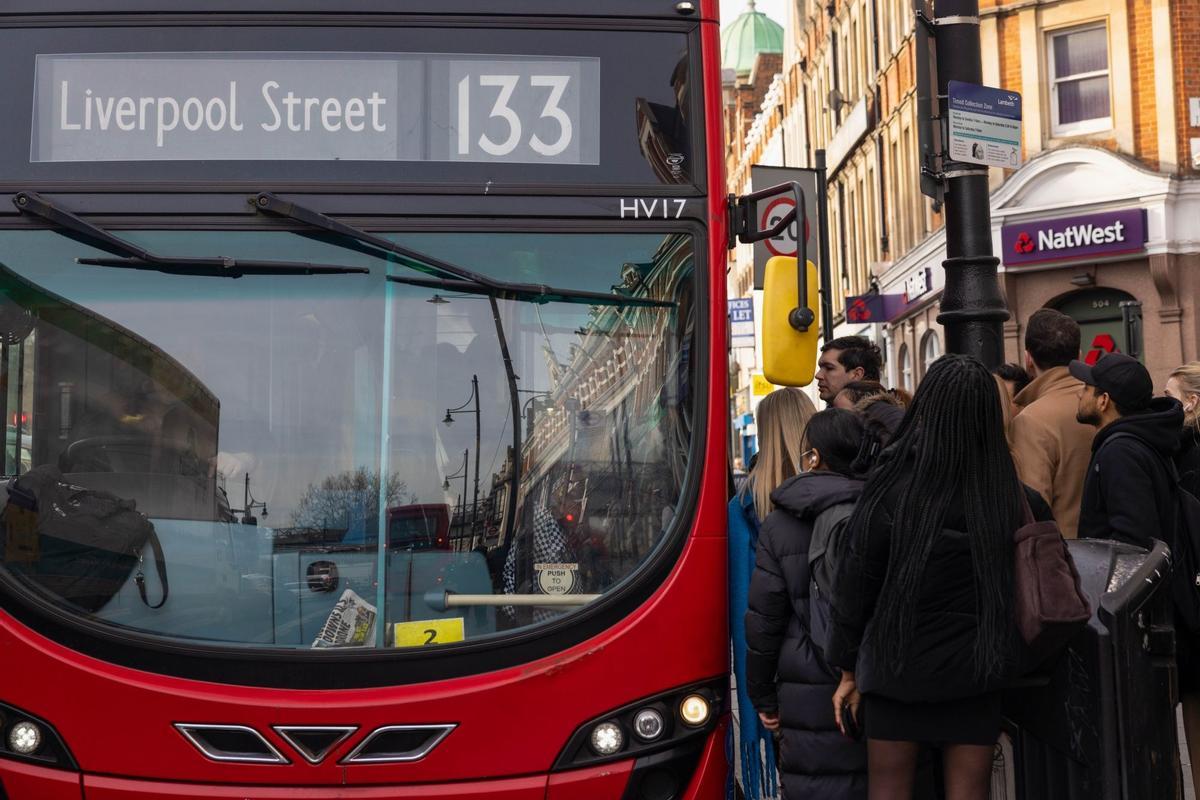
971	720
1187	660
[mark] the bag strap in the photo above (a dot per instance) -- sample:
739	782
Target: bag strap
161	567
1027	517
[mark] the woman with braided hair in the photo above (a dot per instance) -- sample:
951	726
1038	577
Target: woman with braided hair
922	612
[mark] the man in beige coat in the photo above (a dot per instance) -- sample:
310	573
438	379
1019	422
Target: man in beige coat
1051	449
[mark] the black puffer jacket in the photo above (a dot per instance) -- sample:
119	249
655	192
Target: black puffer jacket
1187	460
939	664
785	670
1128	485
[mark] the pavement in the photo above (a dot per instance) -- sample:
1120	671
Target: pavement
1189	791
1000	778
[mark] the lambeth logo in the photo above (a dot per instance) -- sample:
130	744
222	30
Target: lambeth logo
1024	243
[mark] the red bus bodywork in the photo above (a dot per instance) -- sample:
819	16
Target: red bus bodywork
511	724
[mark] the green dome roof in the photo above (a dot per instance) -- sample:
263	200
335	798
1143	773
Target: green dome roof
753	32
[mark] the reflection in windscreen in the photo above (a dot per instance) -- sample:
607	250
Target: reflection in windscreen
215	459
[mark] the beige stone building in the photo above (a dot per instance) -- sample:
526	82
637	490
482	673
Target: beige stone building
1111	134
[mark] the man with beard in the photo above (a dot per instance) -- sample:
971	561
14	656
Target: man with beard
1129	492
845	360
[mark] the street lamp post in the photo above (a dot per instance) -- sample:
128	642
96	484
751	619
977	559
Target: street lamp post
449	420
525	408
463	469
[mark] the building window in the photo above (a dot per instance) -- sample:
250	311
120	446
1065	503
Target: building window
870	206
855	67
931	350
906	372
912	189
1079	90
900	245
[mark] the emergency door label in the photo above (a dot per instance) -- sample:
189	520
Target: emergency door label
556	578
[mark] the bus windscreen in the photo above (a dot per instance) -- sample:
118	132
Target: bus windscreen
334	460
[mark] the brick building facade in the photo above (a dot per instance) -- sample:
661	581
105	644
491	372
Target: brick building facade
1107	90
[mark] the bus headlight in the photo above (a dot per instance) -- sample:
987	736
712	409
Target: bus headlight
25	738
607	739
681	717
695	710
648	724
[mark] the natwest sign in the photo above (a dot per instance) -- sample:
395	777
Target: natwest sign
1069	238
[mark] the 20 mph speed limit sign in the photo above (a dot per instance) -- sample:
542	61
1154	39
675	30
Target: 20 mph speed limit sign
773	209
785	244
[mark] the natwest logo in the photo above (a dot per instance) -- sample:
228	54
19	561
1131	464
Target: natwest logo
1081	236
1091	235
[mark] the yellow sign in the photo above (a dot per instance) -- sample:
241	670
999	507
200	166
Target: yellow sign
760	386
428	631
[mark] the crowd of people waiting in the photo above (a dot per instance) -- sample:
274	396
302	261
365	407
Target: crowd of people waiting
872	547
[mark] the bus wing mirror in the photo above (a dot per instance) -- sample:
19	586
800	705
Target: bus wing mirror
744	226
789	334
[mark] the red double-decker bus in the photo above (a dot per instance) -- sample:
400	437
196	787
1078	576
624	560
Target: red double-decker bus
254	256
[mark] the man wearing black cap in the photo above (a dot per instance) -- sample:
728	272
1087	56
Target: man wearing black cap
1128	491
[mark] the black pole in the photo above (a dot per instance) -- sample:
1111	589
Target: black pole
823	267
475	496
973	309
514	473
463	517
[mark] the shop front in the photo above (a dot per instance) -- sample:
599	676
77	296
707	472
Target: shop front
1107	242
1091	233
913	338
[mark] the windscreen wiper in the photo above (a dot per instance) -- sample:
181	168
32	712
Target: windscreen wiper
443	274
133	256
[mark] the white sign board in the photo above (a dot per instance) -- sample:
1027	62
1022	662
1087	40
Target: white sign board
917	284
741	322
773	209
785	243
985	125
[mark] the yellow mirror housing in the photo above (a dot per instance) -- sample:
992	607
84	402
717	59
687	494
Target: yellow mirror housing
789	355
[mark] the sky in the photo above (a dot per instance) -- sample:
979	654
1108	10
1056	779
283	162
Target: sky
775	9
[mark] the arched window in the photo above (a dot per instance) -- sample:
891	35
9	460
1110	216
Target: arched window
906	371
931	350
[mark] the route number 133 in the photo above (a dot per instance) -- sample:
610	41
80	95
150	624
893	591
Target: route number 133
516	105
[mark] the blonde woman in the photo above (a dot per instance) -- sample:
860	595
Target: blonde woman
781	418
1184	386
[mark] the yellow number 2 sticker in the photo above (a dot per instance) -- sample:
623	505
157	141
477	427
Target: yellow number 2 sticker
428	631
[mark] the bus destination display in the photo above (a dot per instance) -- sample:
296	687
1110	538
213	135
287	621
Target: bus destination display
315	107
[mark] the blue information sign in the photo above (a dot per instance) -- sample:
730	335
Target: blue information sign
741	322
985	125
